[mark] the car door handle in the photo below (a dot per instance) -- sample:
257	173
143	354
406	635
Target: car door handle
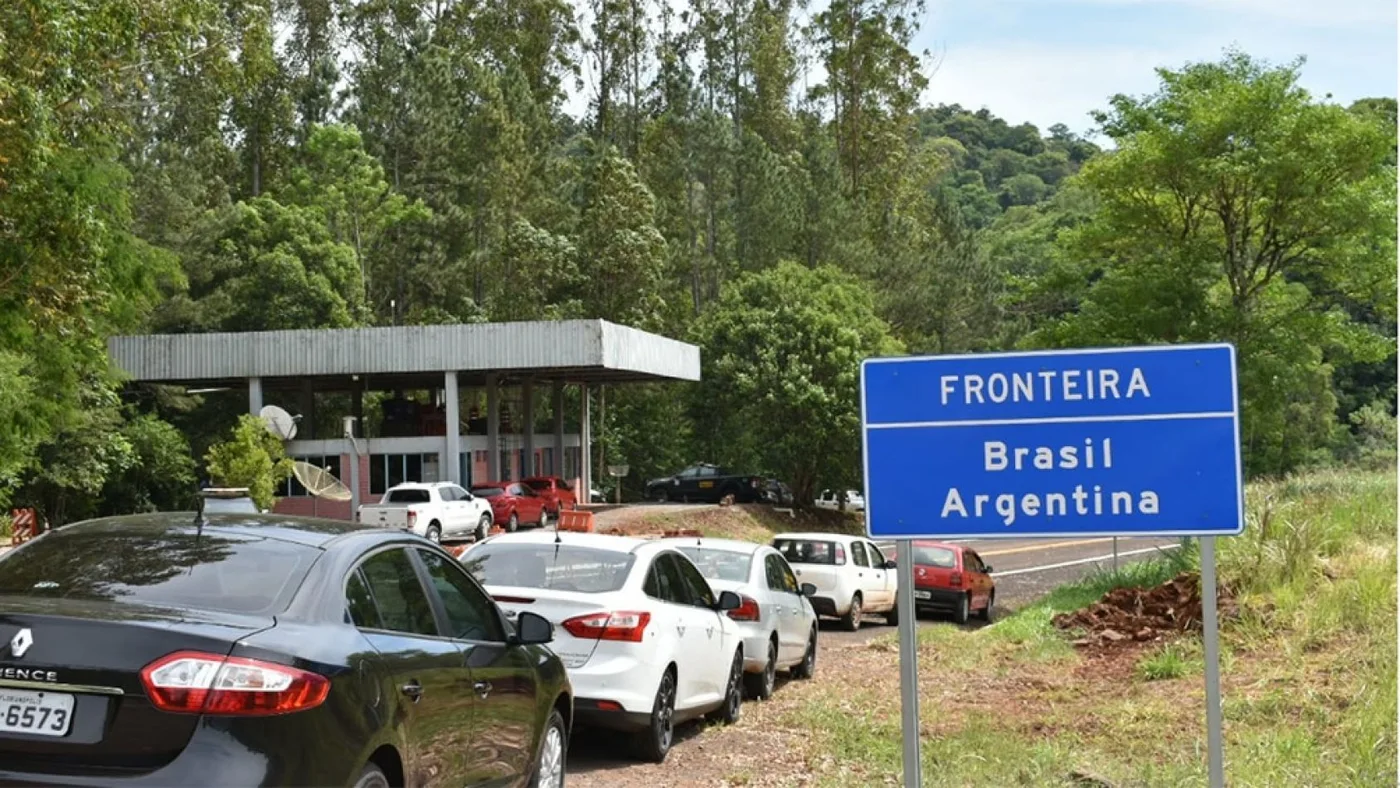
483	688
413	690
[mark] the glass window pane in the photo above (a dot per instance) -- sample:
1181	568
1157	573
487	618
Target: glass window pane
470	612
395	462
403	605
378	480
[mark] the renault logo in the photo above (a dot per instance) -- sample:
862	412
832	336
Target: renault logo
21	642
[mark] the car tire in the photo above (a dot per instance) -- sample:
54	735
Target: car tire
892	615
554	747
851	621
733	707
652	744
963	610
544	518
483	527
759	686
986	614
808	666
657	495
372	777
513	524
434	533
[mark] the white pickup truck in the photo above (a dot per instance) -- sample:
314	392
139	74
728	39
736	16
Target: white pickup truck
437	510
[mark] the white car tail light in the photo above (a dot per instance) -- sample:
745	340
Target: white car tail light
626	626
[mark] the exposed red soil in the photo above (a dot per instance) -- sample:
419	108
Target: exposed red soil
1137	615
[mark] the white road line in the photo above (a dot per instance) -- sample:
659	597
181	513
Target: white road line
1108	557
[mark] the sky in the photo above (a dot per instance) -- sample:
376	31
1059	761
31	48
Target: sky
1054	61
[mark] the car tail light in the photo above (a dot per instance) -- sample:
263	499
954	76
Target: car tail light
194	682
628	626
840	555
955	579
746	611
412	518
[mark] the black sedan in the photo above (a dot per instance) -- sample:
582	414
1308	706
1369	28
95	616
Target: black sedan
258	650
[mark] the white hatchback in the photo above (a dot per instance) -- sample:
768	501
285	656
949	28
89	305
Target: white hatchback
645	639
775	616
853	577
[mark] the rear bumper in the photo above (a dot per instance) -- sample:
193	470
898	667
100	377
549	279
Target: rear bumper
938	598
626	681
826	606
596	713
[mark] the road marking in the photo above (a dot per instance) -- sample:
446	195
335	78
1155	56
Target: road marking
1048	546
1108	557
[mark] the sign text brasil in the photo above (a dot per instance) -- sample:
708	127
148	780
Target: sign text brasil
1110	442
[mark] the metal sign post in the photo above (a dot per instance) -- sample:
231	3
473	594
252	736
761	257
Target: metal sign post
1114	442
908	661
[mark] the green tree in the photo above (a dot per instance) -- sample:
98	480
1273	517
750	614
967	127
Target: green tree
1231	196
621	255
161	476
253	458
779	392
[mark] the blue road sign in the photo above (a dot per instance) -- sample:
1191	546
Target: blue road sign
1105	442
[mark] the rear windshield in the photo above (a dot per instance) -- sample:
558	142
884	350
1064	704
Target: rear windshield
934	556
806	551
230	506
487	492
549	566
538	484
720	564
408	496
164	568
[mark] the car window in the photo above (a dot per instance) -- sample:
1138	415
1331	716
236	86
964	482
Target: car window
972	560
877	558
720	564
470	613
858	554
700	592
413	495
709	471
664	581
940	557
359	603
487	492
806	551
398	595
147	565
773	572
562	567
789	578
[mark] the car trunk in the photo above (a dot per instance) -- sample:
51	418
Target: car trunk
556	607
84	662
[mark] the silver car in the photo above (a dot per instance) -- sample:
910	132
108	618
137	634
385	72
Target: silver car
776	618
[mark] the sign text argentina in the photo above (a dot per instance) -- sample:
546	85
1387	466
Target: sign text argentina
1112	442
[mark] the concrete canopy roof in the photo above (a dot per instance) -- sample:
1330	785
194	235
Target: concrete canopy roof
571	351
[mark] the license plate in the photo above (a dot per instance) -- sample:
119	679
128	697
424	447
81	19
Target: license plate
922	595
707	484
35	713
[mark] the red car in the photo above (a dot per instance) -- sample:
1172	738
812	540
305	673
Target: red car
950	577
513	503
557	494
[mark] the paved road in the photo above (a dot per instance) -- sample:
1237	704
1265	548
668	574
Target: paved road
1025	569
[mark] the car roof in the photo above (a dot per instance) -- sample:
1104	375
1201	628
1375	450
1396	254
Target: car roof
621	544
421	485
495	484
733	545
934	543
820	536
311	531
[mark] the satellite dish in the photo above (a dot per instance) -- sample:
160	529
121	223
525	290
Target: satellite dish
279	422
320	482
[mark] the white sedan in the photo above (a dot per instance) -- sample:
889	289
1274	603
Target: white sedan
775	616
646	641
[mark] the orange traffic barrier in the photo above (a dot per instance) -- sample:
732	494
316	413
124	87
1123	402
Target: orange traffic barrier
576	521
24	525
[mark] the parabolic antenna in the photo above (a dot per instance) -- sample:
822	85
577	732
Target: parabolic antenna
279	422
319	482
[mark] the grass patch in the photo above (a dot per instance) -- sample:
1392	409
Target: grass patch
1308	669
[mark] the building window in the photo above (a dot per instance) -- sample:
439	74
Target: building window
330	463
391	470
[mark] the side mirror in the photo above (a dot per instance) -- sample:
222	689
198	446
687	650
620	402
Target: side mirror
533	629
987	568
809	590
728	600
891	564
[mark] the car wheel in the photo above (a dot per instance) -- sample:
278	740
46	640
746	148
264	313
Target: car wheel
372	777
483	527
760	685
892	616
733	707
434	532
964	609
549	767
654	743
544	518
513	524
851	621
808	666
658	495
986	614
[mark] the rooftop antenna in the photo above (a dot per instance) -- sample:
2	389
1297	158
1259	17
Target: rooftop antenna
279	422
